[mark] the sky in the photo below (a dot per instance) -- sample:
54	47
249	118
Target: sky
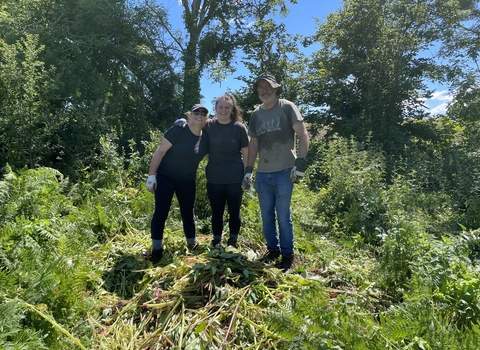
301	20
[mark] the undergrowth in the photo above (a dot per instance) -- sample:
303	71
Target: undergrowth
375	266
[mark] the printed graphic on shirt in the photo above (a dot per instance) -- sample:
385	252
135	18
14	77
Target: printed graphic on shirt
269	126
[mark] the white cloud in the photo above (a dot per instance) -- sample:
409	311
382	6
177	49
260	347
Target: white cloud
442	96
439	101
440	109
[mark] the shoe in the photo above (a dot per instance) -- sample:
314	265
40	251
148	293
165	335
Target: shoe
215	242
232	242
157	255
192	247
272	255
286	263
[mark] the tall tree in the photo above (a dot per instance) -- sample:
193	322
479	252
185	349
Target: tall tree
272	49
215	30
369	76
106	70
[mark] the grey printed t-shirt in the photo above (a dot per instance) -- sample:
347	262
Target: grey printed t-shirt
225	163
276	137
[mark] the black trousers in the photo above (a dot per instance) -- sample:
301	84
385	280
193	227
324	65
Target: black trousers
230	195
185	192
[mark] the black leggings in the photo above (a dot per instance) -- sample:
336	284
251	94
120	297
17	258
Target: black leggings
185	192
218	195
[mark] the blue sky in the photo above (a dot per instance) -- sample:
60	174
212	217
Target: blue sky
301	20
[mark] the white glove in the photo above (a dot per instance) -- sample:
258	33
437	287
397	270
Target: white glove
298	171
152	183
248	177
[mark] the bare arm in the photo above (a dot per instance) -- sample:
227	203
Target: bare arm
303	138
165	145
245	156
252	151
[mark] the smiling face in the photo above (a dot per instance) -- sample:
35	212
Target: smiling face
223	111
266	93
198	117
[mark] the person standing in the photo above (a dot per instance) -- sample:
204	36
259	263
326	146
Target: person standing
173	170
225	168
273	128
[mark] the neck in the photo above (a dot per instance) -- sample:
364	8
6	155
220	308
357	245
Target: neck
195	129
224	121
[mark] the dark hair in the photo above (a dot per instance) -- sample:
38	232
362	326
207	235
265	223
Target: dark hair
236	110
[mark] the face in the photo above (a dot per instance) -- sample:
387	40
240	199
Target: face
223	109
198	116
265	91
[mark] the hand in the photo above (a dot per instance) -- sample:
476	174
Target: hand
180	122
248	177
245	185
298	171
152	183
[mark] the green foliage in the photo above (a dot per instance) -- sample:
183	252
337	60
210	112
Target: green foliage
26	124
354	183
369	74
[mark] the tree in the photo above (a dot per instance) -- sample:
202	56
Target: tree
369	76
272	49
216	29
105	70
25	122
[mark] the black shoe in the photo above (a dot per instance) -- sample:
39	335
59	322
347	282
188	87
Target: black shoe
272	255
192	247
286	263
232	242
157	255
215	242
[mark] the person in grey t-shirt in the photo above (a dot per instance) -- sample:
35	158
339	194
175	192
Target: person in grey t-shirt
272	128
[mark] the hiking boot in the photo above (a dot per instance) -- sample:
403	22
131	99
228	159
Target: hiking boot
157	255
215	242
272	255
286	263
232	242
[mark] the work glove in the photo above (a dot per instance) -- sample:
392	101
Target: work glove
298	170
152	183
247	178
180	122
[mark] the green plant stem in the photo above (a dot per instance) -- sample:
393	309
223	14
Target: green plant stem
234	314
52	322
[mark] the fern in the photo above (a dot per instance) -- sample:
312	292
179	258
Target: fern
13	334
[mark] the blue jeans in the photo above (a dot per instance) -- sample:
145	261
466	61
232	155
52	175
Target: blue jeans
274	192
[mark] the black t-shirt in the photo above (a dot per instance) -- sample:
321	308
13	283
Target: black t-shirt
182	159
225	164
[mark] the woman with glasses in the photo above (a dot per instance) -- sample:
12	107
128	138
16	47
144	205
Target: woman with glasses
172	171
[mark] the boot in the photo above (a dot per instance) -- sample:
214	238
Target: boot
272	255
157	255
232	242
286	263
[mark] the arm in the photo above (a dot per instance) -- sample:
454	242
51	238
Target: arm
165	145
303	138
245	156
252	151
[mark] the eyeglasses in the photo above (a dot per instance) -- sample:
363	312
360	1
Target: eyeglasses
264	87
203	113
